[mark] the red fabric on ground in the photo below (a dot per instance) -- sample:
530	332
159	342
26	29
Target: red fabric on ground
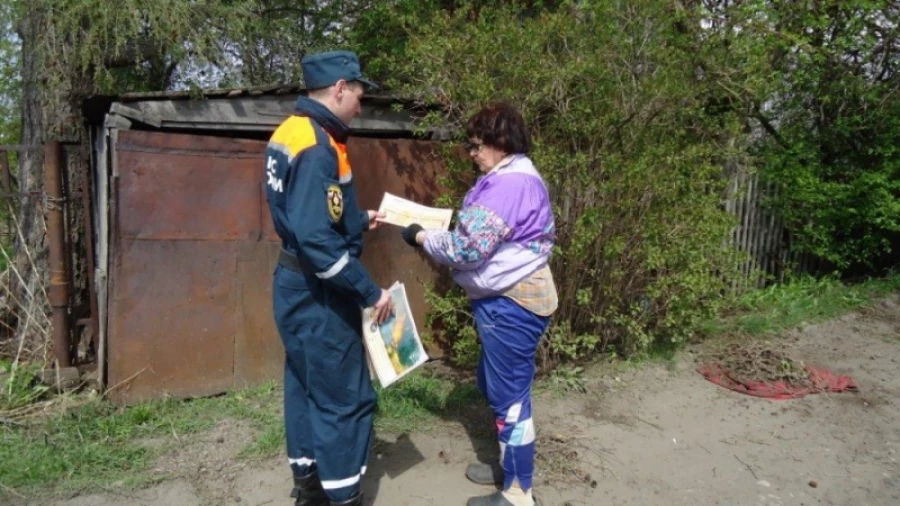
822	380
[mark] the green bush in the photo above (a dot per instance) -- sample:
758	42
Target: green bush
638	109
835	152
450	313
633	162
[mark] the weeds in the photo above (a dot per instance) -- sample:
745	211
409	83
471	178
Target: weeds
19	386
99	442
797	303
421	399
566	379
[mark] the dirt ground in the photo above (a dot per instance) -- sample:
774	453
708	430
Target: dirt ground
656	435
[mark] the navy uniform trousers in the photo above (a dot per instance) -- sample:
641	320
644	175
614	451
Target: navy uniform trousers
329	401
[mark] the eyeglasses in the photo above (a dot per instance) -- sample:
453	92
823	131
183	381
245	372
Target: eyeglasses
473	147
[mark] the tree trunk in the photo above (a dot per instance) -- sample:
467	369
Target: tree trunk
30	274
30	270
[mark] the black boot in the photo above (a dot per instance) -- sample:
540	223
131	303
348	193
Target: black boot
308	491
485	474
356	500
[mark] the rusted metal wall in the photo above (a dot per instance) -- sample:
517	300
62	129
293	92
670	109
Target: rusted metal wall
193	252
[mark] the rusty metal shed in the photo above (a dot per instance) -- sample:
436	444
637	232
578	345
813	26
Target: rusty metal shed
183	245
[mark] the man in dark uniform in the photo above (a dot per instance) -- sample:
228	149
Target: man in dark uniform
320	285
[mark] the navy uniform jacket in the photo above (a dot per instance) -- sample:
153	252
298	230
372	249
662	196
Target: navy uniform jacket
309	188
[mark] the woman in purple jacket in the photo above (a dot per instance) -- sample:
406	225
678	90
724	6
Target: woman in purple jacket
498	253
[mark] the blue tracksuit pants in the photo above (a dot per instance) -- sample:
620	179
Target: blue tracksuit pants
509	337
329	401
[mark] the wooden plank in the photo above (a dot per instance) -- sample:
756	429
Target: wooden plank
751	228
131	113
752	244
777	240
117	122
733	202
791	254
263	113
744	228
105	180
774	240
21	147
757	229
765	234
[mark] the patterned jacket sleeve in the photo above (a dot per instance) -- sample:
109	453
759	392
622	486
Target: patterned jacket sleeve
478	233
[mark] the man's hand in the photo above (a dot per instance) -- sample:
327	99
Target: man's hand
374	219
384	308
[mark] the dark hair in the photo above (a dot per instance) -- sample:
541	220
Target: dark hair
500	126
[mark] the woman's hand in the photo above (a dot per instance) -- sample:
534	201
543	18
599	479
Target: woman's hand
414	235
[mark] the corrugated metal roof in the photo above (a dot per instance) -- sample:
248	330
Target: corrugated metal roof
272	89
259	109
253	108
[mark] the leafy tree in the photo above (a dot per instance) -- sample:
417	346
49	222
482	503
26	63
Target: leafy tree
818	82
835	150
638	109
10	82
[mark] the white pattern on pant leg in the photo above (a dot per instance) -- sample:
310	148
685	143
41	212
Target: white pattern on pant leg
512	415
522	433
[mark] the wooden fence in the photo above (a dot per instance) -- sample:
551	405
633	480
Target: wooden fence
761	234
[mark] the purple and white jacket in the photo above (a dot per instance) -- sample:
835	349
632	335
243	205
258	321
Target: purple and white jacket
504	232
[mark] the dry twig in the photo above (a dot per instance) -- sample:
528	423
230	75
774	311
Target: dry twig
12	491
748	467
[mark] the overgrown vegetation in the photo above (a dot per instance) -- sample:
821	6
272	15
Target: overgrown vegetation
19	386
417	402
90	441
640	112
634	162
112	47
806	300
830	81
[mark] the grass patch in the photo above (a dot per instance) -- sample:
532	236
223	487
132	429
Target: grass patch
415	403
760	313
419	400
98	442
799	302
19	386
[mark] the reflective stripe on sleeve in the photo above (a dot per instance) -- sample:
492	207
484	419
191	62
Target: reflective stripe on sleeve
336	268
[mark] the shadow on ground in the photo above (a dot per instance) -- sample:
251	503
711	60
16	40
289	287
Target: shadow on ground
463	407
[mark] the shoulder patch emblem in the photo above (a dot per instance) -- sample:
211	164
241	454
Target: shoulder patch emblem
335	201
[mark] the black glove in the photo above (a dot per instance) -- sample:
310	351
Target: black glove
409	234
